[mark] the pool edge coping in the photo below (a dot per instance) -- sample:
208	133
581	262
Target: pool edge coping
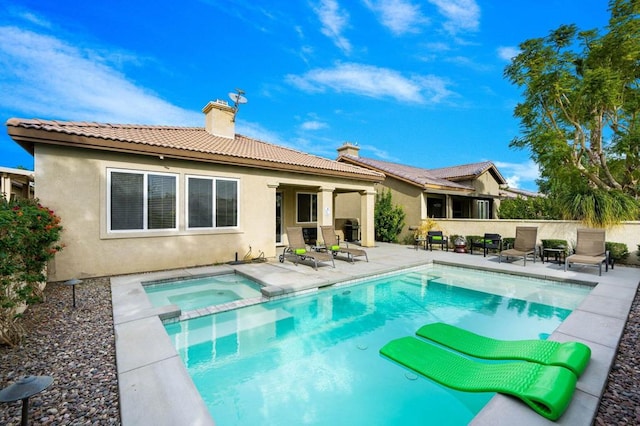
193	410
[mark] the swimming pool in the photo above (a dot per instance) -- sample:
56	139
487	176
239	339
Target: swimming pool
195	293
314	359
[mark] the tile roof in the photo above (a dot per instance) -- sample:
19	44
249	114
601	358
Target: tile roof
467	171
415	175
181	142
515	192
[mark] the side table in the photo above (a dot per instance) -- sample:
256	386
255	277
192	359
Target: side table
557	253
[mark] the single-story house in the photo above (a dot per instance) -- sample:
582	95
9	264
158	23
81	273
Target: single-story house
137	198
465	191
16	183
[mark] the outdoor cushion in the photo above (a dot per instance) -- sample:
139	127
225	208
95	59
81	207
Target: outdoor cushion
334	248
300	251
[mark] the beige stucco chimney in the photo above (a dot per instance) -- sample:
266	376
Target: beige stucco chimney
220	119
349	148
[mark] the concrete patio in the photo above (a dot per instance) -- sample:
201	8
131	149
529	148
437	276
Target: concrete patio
155	388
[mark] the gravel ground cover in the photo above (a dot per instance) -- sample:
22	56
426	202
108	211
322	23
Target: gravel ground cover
77	348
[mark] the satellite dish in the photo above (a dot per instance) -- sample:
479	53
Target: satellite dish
237	98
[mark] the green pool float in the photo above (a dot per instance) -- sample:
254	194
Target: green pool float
572	355
547	389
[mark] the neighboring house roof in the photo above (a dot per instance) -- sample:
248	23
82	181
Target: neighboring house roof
21	172
414	175
515	192
468	172
189	143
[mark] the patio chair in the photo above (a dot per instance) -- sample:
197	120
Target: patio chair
436	237
332	245
524	244
297	249
590	250
488	242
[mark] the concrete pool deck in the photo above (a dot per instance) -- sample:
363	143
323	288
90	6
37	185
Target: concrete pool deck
155	388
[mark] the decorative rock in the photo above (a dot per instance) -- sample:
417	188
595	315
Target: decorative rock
77	349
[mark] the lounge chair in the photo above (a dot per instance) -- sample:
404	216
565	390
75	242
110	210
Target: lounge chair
524	244
297	249
332	245
547	389
488	242
436	237
590	250
572	355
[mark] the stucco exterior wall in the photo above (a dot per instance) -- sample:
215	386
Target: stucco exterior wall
486	184
409	197
73	182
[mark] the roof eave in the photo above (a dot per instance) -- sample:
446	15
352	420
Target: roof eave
28	138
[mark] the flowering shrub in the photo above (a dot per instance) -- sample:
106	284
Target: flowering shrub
29	235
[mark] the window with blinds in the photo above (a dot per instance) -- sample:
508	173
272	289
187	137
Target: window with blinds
140	201
212	202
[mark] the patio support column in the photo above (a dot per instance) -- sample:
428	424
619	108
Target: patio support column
367	206
448	207
325	208
6	186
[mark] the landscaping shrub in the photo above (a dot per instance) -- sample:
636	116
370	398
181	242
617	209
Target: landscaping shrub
556	244
617	251
508	242
29	235
389	219
472	238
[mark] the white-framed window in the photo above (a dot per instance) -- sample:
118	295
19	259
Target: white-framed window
483	209
141	201
306	207
212	202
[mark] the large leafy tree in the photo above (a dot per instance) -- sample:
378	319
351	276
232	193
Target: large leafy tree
580	116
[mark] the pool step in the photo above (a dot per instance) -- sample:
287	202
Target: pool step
260	321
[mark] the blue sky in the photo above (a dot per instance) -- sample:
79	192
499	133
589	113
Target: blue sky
414	82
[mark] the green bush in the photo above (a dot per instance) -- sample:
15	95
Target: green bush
29	235
526	208
472	238
389	219
556	244
617	251
508	242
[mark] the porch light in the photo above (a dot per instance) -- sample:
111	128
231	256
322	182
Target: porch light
24	388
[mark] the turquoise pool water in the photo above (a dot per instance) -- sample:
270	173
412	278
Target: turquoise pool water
196	293
314	359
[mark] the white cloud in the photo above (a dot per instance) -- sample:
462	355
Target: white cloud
507	53
462	15
313	125
34	19
373	82
334	20
47	77
519	175
400	16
